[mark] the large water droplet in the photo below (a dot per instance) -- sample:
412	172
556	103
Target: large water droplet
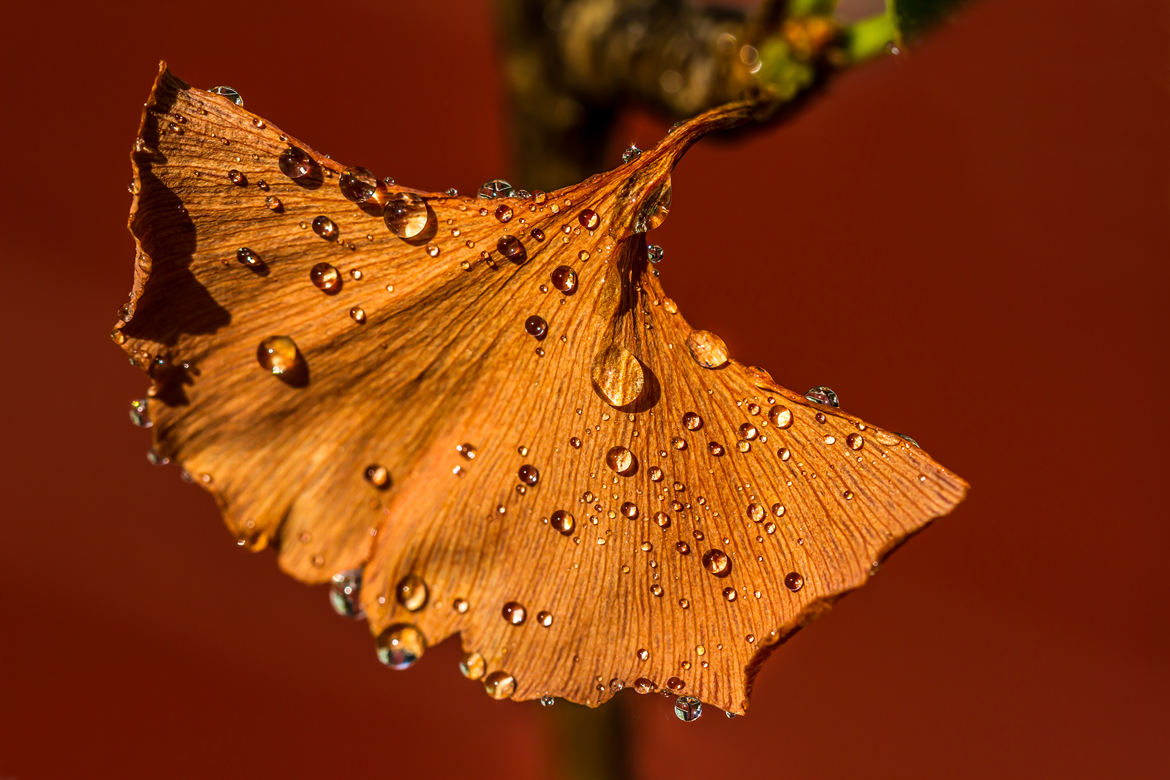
407	215
823	395
229	93
326	278
564	279
345	593
295	163
854	441
621	460
793	581
528	474
781	416
716	562
618	376
511	248
692	421
495	188
400	646
654	209
688	708
412	592
499	685
358	184
707	349
589	219
278	355
536	327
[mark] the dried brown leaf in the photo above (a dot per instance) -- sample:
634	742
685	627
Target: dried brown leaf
578	483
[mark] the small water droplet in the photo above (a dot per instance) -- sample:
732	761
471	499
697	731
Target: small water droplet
528	474
472	666
235	177
504	212
823	395
461	605
537	234
345	593
692	421
631	152
662	520
358	314
621	460
229	93
793	581
707	349
544	618
140	413
564	279
326	278
377	475
589	219
400	646
499	685
717	562
278	355
514	613
547	701
536	327
358	184
643	685
295	163
655	253
412	592
562	522
325	228
273	203
781	416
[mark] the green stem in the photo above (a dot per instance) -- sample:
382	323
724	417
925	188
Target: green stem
870	37
591	744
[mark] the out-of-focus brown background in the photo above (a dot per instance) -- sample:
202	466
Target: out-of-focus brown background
969	243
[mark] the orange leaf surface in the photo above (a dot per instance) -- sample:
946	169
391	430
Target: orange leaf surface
489	414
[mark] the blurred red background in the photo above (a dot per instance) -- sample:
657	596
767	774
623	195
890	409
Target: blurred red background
969	243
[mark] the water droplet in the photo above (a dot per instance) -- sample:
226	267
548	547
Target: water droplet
617	376
537	234
662	519
295	163
514	613
406	215
562	522
688	708
909	439
621	460
495	188
140	414
692	421
643	685
654	209
511	248
682	547
707	349
472	665
235	177
326	278
528	474
748	431
400	646
377	475
781	416
823	395
715	448
655	253
279	355
273	203
544	618
499	685
630	510
358	184
730	594
412	592
228	93
325	228
793	581
756	513
345	593
656	589
631	152
564	279
358	314
675	684
716	562
504	212
536	327
589	219
461	605
547	701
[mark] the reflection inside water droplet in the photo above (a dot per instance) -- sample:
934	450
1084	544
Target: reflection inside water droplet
400	646
618	376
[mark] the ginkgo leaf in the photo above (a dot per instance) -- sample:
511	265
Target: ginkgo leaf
485	417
